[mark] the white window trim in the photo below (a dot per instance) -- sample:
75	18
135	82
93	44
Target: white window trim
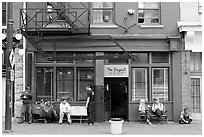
101	25
165	68
148	26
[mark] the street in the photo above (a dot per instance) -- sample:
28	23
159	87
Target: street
129	128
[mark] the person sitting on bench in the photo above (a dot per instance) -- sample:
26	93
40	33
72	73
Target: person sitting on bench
65	109
157	108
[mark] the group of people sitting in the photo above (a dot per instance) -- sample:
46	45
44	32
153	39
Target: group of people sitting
158	109
49	111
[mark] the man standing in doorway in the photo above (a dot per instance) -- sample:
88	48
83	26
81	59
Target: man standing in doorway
26	108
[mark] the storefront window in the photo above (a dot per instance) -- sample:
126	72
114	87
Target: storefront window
140	58
65	83
85	77
117	58
139	84
160	57
44	82
61	55
41	59
160	83
82	60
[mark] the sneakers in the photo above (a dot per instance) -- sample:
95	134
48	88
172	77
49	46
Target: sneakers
90	124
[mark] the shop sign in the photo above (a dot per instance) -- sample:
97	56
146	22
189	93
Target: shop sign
116	71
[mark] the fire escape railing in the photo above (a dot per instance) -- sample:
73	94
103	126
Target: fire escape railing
61	19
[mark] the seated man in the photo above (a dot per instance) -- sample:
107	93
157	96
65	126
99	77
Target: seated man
157	108
185	117
65	109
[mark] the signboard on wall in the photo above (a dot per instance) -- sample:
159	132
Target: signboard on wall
116	71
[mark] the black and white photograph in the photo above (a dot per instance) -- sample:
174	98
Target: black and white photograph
101	68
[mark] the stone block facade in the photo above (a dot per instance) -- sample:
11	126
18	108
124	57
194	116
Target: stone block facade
186	81
18	86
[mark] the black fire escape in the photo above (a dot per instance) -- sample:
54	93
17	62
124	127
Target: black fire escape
60	20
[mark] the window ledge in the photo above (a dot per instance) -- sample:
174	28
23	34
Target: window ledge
102	26
156	26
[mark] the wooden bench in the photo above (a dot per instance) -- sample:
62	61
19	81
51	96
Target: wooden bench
79	113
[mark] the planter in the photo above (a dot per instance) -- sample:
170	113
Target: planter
116	125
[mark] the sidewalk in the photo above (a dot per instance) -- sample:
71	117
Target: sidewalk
129	128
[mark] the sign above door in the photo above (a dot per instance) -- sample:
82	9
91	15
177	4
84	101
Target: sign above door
116	71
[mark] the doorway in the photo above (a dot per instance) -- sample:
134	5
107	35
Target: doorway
116	98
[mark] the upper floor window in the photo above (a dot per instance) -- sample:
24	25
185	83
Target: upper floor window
102	12
200	7
3	13
196	61
148	13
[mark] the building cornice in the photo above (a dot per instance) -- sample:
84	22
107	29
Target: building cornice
189	26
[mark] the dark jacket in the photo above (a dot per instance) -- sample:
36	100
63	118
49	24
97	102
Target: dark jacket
26	97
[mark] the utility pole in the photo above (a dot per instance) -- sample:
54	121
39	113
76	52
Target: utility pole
9	47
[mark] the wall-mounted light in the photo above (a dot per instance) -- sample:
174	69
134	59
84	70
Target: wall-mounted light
18	35
131	11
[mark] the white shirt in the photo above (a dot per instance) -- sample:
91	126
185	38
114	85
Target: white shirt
65	107
159	106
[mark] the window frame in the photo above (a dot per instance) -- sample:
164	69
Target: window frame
159	14
107	8
200	7
152	81
64	80
5	14
147	92
79	79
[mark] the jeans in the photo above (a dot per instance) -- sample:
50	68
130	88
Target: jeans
26	108
62	116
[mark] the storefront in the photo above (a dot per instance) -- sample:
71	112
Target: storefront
119	82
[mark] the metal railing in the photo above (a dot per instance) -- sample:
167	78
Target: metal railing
74	19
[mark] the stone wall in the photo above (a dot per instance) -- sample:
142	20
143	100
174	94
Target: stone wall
186	81
18	86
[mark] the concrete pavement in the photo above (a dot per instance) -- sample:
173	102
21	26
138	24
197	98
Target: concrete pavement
129	128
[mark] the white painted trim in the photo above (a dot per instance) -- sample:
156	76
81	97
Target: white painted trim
189	26
102	26
158	26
